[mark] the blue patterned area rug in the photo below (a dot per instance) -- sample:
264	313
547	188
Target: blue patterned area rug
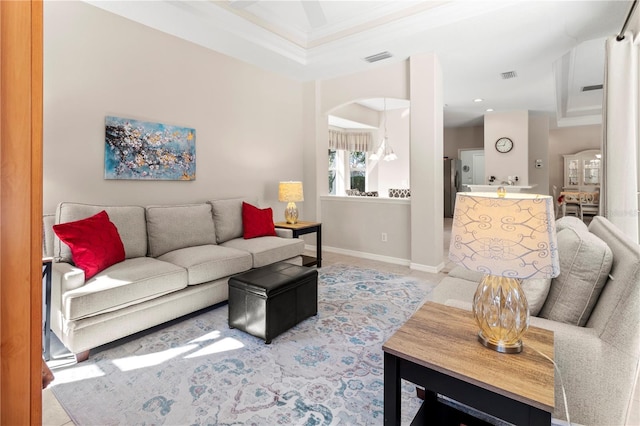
327	370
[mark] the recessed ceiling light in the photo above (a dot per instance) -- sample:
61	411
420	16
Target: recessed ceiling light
478	100
489	109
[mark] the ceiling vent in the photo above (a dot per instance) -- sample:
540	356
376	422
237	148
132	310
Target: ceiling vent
591	88
378	57
509	74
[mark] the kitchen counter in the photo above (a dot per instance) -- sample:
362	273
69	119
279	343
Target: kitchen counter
492	188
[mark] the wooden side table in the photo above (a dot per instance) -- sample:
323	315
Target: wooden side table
46	275
437	348
301	228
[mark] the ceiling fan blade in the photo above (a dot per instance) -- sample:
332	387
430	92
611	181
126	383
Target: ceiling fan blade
314	12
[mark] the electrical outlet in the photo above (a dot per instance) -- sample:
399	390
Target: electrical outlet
383	237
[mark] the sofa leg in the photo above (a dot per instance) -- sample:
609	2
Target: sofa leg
47	375
82	356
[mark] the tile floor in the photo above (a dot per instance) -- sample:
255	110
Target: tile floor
54	415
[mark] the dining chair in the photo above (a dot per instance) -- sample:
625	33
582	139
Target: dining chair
571	204
589	203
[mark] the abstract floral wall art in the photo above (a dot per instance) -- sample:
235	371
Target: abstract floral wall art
148	151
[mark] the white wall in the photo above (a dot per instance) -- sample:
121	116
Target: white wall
249	123
426	124
313	176
538	149
427	183
456	138
515	126
354	225
358	113
343	90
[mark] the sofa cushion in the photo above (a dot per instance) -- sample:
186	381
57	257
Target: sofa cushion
209	262
123	284
454	288
585	262
178	226
571	222
535	289
466	274
227	215
130	221
257	222
94	242
267	250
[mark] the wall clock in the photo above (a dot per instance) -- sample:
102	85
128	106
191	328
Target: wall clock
504	145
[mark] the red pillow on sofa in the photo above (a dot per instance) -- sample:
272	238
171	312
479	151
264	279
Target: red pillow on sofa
94	242
257	222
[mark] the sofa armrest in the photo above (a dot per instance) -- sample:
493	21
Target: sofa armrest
451	288
48	235
66	277
284	233
598	378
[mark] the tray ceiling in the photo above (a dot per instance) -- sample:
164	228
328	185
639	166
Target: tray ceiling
554	47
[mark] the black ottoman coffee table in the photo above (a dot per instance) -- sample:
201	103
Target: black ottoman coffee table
267	301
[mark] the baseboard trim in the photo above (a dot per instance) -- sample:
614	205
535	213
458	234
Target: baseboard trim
427	268
388	259
365	255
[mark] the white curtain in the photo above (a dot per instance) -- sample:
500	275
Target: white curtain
621	134
350	141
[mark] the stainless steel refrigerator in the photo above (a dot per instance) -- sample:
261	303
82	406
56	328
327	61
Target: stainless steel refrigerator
451	184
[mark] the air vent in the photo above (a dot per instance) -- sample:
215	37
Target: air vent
590	88
378	57
509	74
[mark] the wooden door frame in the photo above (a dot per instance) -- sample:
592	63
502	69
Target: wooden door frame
21	123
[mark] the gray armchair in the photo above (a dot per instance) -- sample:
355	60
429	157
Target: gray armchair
599	362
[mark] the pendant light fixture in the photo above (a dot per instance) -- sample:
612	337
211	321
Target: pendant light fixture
384	149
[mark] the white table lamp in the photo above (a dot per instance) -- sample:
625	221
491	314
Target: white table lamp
290	192
509	237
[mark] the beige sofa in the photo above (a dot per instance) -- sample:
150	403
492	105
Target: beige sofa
598	361
178	259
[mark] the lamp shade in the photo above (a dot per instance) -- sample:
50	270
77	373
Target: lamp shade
290	191
512	236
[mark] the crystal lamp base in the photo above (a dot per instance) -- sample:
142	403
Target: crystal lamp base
291	212
502	313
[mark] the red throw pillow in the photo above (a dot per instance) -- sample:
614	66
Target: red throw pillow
94	242
257	222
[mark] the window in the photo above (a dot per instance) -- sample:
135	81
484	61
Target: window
358	170
347	170
332	171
